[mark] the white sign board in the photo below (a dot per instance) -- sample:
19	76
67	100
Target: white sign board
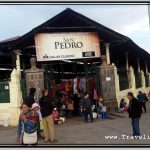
6	87
74	45
108	78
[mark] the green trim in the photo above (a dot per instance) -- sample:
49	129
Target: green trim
4	93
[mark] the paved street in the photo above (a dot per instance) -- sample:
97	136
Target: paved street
77	132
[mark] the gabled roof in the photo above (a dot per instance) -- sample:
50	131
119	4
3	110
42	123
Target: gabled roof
5	45
69	20
10	39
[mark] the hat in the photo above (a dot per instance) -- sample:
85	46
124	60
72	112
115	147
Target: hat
35	105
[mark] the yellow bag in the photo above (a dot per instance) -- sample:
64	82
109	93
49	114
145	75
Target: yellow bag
41	125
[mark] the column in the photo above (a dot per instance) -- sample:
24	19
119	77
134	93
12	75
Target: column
116	81
107	53
34	78
132	78
86	74
146	68
17	52
15	97
138	64
106	84
127	61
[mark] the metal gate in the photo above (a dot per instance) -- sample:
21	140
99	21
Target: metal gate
4	92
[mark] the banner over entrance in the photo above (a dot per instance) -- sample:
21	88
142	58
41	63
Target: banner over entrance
59	46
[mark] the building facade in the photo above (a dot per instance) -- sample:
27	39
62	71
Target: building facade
72	53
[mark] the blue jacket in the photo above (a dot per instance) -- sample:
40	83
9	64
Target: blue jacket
142	97
30	125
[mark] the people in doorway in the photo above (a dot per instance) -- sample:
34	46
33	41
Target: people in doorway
143	99
86	107
63	101
76	104
123	106
70	108
36	108
30	98
28	123
47	117
57	117
134	110
100	104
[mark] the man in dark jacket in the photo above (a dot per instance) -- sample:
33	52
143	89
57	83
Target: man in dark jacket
30	98
47	118
143	99
134	110
86	106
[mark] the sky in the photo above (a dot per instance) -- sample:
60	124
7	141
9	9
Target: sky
129	20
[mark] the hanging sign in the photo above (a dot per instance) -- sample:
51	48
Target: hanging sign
74	45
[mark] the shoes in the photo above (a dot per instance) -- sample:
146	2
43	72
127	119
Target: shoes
53	141
46	140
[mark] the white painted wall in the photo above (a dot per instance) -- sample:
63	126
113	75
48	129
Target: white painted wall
12	109
132	83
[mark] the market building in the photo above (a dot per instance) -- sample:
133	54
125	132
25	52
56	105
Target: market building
67	54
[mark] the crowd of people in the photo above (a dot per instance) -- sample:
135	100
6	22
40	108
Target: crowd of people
135	109
143	99
42	116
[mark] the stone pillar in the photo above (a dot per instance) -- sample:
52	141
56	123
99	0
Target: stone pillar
34	78
15	97
132	78
116	81
149	79
106	82
107	53
127	61
146	68
15	91
143	79
86	74
17	52
138	64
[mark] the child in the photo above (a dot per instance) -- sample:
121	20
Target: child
123	106
36	108
57	117
70	107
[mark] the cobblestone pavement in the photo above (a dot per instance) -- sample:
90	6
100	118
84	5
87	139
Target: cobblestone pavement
75	131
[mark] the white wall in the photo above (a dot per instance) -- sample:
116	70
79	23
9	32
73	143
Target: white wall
123	94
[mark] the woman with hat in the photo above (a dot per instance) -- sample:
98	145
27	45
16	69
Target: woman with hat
28	122
36	108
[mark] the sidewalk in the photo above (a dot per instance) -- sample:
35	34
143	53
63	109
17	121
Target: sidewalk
75	131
